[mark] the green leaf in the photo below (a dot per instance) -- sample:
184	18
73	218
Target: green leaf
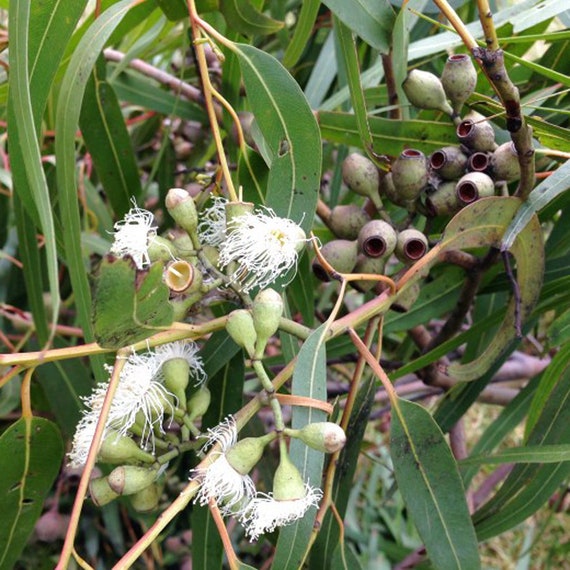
226	386
528	454
303	31
31	451
387	134
67	119
28	175
130	305
108	141
372	20
559	330
324	554
351	64
530	485
290	132
543	194
243	17
429	481
309	380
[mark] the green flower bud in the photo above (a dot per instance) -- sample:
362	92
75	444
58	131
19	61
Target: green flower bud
327	437
340	253
288	485
244	455
181	207
412	245
212	254
410	175
371	266
476	133
129	479
176	373
377	239
267	311
425	91
240	327
147	499
161	249
459	78
505	163
100	491
361	176
448	162
182	304
117	448
345	221
198	403
473	186
236	209
443	200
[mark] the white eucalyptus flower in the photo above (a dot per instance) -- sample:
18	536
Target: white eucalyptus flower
220	481
187	351
264	513
133	236
264	247
212	225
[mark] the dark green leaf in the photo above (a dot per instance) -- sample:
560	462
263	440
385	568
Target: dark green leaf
130	305
303	30
429	481
243	17
31	451
290	131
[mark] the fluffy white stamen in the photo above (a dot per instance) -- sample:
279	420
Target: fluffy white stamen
264	513
212	225
187	351
263	245
133	236
220	481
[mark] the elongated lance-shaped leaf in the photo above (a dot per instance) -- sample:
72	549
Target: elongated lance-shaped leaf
530	485
31	451
108	141
243	16
303	30
67	119
290	132
429	480
309	380
352	67
22	123
372	20
483	223
543	194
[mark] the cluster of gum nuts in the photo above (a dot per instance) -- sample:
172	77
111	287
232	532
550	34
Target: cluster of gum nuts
438	185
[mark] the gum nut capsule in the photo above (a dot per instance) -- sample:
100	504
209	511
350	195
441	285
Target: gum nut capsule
360	174
459	78
476	135
340	253
473	186
425	91
370	266
448	162
346	220
388	190
377	239
407	298
181	207
412	245
410	174
505	162
479	161
180	275
443	200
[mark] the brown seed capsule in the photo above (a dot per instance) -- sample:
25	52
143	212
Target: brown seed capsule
361	175
410	174
443	200
346	221
369	265
473	186
340	253
476	133
377	239
448	162
412	245
459	78
505	163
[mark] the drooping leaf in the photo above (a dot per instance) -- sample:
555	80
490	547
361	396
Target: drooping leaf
107	139
309	380
303	30
290	132
31	451
130	304
243	17
429	480
372	20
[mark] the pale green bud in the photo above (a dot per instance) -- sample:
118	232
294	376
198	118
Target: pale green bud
244	455
182	208
147	499
129	479
327	437
267	311
288	485
117	448
100	491
198	403
240	327
425	91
